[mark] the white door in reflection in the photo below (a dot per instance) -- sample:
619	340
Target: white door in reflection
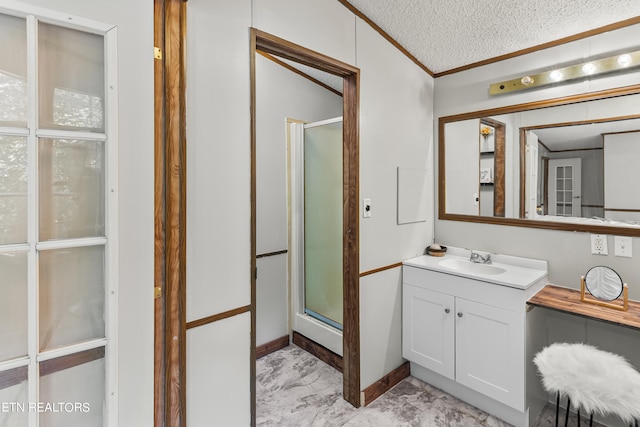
317	230
565	187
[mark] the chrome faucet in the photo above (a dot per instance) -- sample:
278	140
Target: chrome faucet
479	258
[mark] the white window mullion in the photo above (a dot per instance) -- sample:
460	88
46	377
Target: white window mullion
64	134
71	349
32	203
71	243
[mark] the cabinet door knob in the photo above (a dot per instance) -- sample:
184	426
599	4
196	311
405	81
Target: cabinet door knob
446	310
459	314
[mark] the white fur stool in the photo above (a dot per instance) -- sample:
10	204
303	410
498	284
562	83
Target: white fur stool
592	379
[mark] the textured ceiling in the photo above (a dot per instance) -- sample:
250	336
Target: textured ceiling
447	34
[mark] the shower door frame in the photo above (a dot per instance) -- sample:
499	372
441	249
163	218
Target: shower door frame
315	329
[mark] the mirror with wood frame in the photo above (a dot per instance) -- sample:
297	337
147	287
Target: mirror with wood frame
564	164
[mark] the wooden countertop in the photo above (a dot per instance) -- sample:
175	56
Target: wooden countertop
568	301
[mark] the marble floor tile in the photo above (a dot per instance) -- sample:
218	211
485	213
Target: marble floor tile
296	389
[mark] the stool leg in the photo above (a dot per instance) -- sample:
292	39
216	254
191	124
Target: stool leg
557	406
566	415
578	416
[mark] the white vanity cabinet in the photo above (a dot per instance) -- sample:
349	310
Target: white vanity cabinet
467	336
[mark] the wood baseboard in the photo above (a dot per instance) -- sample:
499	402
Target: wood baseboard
319	351
385	383
271	346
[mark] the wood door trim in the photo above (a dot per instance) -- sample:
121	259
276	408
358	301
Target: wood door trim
170	214
215	317
351	109
381	269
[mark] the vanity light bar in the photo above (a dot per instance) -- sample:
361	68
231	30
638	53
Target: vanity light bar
624	61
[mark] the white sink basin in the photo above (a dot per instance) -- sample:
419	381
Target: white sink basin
468	267
506	270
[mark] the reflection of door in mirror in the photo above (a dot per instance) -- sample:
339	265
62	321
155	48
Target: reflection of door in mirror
531	190
492	167
565	187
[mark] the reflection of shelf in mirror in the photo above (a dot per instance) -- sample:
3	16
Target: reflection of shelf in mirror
487	152
482	184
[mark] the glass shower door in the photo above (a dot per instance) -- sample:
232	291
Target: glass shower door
323	232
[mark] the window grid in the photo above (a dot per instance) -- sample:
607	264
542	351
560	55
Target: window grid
34	247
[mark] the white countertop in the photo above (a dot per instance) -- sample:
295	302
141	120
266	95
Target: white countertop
519	272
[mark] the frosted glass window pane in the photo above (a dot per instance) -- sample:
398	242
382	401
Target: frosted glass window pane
78	393
13	305
14	406
13	71
13	189
323	221
71	188
71	79
71	296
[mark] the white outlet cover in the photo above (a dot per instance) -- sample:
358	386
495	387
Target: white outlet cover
599	244
623	246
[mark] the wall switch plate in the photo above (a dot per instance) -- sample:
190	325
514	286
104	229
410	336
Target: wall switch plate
366	208
599	244
623	246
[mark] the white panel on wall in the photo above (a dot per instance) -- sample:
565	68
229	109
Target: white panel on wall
412	195
272	307
621	154
396	128
218	221
380	325
324	26
218	380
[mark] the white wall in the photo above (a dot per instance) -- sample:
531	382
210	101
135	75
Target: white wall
396	130
218	210
568	253
135	220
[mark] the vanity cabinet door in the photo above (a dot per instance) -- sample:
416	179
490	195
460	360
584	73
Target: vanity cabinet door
428	329
490	351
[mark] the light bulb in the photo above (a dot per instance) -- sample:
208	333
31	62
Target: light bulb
624	60
526	80
556	75
588	68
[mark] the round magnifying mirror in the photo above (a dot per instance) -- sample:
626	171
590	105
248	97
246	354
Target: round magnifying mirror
603	283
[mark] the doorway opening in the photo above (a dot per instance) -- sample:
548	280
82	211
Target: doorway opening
266	43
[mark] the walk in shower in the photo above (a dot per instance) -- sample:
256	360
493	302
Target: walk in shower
316	178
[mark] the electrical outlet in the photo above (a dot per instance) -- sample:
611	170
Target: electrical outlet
366	208
623	246
599	244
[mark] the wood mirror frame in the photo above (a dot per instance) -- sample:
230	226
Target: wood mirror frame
521	222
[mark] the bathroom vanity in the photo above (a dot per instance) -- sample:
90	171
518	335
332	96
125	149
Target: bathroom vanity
466	330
